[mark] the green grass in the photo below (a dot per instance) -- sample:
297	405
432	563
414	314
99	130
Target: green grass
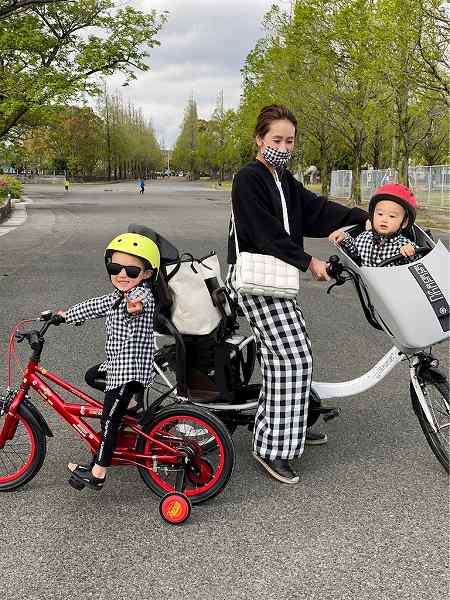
314	187
434	199
213	183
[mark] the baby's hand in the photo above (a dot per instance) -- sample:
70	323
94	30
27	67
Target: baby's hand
337	236
407	250
61	313
134	305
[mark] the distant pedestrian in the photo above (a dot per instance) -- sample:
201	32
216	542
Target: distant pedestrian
66	184
141	185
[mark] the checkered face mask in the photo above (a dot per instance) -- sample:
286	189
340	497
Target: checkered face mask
275	157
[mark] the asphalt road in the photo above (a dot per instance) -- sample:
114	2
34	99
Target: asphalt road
369	518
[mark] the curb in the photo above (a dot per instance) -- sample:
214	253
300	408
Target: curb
5	209
18	217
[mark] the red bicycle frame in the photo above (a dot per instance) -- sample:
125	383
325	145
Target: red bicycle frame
73	413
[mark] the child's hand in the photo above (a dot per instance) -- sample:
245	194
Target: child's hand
61	313
337	236
134	305
407	250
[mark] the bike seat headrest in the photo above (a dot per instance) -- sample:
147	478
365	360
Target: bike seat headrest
168	252
161	291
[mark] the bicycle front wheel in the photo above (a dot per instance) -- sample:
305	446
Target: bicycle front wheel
23	455
186	428
435	389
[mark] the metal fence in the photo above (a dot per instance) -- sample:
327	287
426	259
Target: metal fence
431	184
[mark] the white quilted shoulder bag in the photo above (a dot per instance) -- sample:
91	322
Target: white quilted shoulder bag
263	274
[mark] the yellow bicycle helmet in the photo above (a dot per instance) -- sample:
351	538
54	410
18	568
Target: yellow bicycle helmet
137	245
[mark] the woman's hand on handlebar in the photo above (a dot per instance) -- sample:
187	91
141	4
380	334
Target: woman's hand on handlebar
318	269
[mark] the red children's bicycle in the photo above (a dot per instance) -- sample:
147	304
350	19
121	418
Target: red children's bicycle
184	454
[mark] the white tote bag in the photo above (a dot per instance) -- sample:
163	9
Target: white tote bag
263	274
193	311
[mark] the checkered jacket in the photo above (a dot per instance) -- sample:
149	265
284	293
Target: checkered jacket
129	344
370	248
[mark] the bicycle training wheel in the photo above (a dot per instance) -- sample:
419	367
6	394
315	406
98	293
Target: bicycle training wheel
436	392
23	455
183	428
175	508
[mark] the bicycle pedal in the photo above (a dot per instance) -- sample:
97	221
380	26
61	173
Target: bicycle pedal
76	483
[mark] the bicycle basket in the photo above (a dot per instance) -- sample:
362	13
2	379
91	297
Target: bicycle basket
411	301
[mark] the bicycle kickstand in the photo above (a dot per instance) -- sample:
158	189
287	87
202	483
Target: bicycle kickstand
330	413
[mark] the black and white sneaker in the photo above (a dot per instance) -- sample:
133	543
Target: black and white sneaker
279	468
315	438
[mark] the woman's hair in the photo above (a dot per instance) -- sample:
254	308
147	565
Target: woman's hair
273	112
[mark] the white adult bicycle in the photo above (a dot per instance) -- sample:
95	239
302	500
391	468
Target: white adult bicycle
409	303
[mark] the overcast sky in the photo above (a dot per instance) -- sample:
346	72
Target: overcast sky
203	47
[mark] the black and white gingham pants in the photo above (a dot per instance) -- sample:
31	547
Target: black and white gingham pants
286	362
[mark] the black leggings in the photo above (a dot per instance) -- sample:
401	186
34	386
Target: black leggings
114	408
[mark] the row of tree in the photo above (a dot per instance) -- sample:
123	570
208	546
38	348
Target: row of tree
367	79
52	54
129	141
113	142
208	146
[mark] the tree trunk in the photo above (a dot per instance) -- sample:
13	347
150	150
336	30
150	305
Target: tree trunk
403	176
404	123
325	167
377	147
356	181
358	146
394	152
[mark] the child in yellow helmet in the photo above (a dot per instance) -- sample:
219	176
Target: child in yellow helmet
130	260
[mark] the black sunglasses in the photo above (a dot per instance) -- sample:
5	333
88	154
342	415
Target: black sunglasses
131	271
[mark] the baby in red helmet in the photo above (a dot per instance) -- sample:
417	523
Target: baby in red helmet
392	208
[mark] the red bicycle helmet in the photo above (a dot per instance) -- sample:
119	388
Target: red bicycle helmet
395	192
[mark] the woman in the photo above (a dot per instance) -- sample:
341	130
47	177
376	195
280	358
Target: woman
277	323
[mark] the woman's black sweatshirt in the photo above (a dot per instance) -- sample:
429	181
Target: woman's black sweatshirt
259	215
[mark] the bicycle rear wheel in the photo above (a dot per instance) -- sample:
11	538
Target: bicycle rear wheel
435	389
23	455
185	428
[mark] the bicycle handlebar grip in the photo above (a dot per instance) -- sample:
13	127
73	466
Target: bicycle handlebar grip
334	269
399	256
